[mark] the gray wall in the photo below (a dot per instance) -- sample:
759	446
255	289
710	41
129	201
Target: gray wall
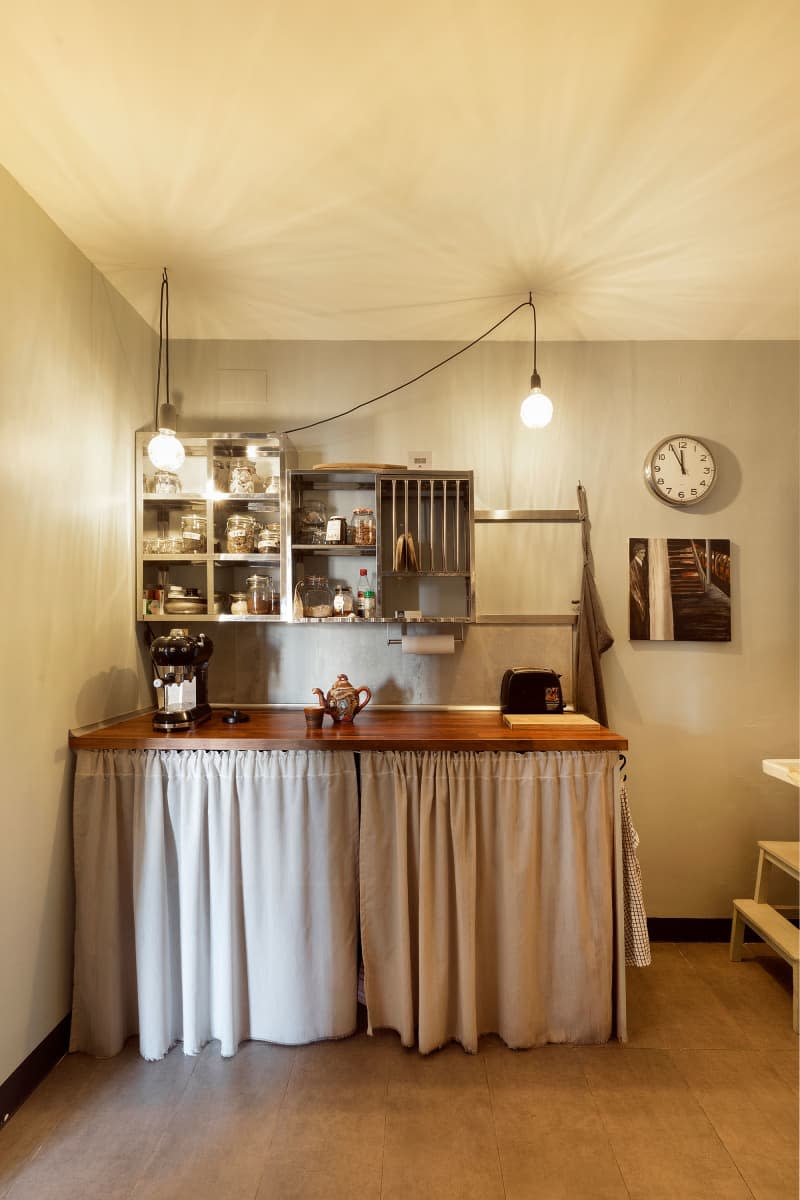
76	379
76	376
699	716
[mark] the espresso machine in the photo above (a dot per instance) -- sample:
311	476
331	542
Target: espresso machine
180	679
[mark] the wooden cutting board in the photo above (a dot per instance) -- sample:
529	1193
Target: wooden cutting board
358	466
531	720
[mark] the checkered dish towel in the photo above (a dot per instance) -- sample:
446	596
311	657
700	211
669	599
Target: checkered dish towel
637	942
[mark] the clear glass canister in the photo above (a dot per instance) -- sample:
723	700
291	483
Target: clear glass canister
268	539
193	534
240	533
316	596
259	595
166	483
363	526
343	601
239	603
243	479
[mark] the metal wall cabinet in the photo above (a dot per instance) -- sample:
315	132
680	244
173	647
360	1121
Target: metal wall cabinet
423	559
172	549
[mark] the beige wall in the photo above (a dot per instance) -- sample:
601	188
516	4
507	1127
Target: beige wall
76	370
699	717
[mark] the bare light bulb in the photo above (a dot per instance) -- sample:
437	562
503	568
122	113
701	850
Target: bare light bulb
536	410
164	450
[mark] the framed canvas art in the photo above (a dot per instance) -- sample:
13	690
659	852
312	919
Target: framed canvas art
680	589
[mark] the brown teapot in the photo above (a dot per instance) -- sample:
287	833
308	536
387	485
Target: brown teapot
342	699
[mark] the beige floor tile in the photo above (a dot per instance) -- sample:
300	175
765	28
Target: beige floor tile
32	1128
679	1168
440	1168
538	1091
666	956
785	1064
757	994
677	1010
98	1149
216	1143
746	1100
768	1177
558	1166
641	1094
717	954
319	1181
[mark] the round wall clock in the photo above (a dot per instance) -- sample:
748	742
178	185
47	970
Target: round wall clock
680	470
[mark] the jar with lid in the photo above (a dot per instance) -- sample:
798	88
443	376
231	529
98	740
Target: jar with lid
259	595
239	604
268	539
311	524
363	527
316	596
243	479
166	483
240	533
343	601
193	534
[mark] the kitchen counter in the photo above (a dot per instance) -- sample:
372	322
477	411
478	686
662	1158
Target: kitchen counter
373	729
229	888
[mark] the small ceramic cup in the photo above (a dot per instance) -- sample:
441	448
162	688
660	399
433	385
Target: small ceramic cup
313	716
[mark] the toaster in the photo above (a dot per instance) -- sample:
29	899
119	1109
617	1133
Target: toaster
531	690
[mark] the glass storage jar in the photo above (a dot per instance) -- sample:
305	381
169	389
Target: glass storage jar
243	479
311	524
240	533
316	596
268	539
193	534
363	526
259	595
239	604
166	483
343	601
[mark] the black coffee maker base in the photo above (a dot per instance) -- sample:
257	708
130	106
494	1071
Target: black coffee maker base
175	721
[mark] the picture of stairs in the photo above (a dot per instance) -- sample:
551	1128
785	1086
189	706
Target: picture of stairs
680	589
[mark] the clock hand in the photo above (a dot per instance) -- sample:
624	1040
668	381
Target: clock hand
679	458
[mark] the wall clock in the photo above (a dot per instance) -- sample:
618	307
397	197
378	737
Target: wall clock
680	470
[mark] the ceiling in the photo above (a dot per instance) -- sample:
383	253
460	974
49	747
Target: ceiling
369	171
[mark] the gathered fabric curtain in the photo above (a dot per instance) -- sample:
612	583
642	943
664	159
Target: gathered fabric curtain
486	884
216	898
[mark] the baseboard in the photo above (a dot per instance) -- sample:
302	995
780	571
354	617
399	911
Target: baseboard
30	1073
689	929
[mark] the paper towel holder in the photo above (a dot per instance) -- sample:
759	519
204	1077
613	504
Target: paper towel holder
454	628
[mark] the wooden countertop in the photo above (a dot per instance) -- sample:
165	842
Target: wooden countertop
285	729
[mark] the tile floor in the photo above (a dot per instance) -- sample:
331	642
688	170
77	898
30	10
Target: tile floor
701	1102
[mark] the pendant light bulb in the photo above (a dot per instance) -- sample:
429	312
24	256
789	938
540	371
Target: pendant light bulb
164	450
536	410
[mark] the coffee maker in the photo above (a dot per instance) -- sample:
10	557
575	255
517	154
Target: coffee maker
180	669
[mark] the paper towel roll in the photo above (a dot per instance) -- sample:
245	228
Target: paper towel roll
435	643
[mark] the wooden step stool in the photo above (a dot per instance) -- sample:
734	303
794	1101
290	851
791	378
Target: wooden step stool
768	923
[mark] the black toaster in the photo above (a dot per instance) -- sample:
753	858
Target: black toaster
531	690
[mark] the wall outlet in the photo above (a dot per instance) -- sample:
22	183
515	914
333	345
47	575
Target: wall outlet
420	460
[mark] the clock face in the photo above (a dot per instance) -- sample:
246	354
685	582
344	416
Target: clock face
680	470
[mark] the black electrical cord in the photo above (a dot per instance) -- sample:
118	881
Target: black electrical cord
164	308
525	304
